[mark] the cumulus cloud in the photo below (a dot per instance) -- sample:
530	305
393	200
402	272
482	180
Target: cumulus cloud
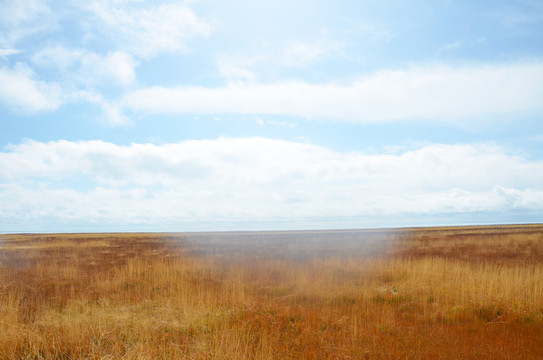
146	31
20	19
20	90
112	113
430	93
257	178
89	68
15	12
5	53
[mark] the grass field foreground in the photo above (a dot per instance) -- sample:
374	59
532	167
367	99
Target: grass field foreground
440	293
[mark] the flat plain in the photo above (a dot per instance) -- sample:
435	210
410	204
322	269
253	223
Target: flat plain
413	293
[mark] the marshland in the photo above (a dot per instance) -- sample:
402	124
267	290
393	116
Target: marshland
412	293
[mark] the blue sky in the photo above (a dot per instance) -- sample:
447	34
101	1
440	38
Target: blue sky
134	115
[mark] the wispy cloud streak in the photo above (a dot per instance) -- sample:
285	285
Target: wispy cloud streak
429	93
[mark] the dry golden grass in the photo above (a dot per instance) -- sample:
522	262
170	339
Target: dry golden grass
445	293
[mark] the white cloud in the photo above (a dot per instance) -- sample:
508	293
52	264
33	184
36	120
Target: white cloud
299	54
452	47
237	68
5	53
20	90
255	178
19	19
146	31
112	112
449	47
248	68
89	68
120	66
432	93
17	12
23	93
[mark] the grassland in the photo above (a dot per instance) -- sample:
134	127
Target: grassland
438	293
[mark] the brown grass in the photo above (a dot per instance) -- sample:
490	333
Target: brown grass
443	293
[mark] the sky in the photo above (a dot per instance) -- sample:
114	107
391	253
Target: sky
205	115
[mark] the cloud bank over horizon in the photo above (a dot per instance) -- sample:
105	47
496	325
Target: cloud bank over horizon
259	180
